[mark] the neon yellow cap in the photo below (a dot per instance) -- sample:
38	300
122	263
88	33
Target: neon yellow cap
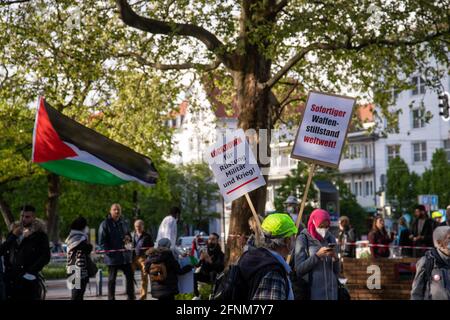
436	214
278	225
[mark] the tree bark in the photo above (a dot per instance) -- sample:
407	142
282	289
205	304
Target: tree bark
6	212
255	104
54	188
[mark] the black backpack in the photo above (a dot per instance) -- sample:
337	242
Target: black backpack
230	285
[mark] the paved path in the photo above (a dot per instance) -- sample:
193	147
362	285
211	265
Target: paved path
57	289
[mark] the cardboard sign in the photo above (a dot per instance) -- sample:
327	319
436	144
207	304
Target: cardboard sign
323	128
234	166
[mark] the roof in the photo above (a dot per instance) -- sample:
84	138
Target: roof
325	186
365	112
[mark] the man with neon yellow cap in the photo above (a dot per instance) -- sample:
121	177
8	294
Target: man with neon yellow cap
264	269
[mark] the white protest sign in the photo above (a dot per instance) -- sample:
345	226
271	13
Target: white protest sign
234	166
323	128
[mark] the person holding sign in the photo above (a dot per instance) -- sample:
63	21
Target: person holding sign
316	260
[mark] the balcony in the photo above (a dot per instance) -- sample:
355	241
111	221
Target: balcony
356	165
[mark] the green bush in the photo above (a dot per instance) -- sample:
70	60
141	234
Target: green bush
58	271
204	289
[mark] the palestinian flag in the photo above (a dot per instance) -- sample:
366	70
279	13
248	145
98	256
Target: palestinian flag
67	148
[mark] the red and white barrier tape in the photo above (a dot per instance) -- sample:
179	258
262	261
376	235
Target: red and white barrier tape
363	245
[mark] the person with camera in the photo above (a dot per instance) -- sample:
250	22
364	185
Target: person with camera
114	237
315	259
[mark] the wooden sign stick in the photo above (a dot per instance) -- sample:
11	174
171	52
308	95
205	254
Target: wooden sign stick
255	216
305	196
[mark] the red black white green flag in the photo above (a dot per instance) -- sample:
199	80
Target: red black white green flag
67	148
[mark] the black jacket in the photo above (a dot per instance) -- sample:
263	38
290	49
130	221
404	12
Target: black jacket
169	286
144	241
427	232
30	256
344	238
218	261
255	264
111	236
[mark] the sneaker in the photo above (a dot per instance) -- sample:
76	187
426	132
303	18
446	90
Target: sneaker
196	298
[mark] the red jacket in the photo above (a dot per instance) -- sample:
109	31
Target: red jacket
378	237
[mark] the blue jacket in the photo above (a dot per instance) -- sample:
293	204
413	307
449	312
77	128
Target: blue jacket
111	235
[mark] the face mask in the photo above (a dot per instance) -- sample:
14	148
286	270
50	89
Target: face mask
322	231
290	210
448	246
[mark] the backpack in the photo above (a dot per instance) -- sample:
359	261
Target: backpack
158	272
430	262
231	285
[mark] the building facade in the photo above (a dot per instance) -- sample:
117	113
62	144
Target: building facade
417	138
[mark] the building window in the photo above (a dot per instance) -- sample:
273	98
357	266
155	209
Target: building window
447	148
418	85
420	151
393	151
284	160
418	118
358	188
369	188
354	151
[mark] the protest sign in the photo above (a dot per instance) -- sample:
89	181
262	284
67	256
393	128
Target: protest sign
235	169
234	166
323	129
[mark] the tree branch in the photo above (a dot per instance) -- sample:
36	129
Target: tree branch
181	66
291	62
279	7
347	45
212	43
7	3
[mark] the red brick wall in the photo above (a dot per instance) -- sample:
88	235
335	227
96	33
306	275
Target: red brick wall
392	286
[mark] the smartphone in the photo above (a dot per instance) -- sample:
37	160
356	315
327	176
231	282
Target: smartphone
332	245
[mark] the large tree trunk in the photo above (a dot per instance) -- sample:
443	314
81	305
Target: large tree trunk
255	112
255	104
6	212
54	186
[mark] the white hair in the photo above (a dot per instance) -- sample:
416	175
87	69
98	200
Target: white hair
274	243
439	234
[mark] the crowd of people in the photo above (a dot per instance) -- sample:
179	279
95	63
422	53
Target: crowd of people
279	260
